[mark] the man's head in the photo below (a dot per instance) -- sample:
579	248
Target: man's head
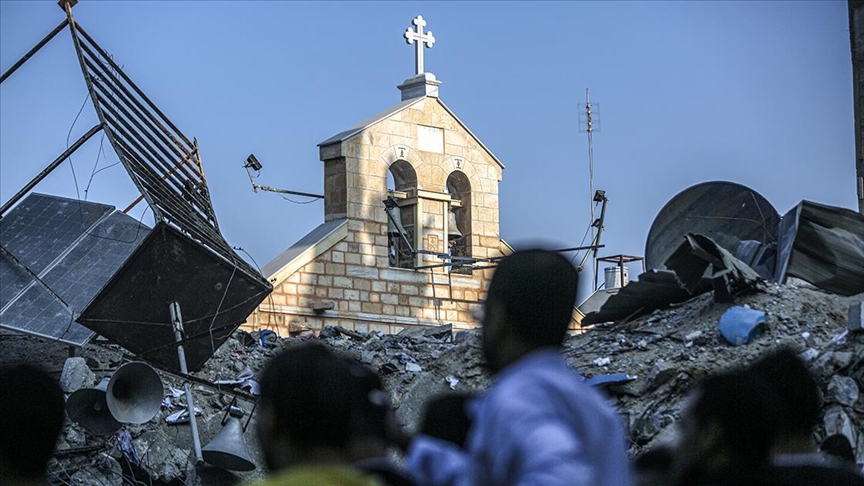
446	417
31	417
371	413
725	430
529	305
306	407
797	397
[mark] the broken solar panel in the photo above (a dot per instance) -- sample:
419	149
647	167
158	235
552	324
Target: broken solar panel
58	254
169	266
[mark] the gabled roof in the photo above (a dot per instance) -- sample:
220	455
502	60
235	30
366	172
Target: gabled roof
368	122
316	242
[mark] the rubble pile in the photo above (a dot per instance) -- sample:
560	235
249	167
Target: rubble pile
646	365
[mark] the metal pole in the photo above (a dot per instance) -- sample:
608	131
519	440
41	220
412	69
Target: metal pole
177	322
34	50
51	167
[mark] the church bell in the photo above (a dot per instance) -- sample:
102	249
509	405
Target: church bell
453	232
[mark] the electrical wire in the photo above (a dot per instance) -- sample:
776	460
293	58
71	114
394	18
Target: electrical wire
298	202
68	136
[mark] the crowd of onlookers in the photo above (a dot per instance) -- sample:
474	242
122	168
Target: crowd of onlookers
325	420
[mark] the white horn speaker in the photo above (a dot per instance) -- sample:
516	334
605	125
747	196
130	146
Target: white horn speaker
134	394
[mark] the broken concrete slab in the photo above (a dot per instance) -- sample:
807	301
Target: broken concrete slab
76	375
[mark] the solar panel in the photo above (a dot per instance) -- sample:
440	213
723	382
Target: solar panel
169	266
66	251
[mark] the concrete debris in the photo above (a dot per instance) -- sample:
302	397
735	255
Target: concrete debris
856	317
645	365
76	375
843	390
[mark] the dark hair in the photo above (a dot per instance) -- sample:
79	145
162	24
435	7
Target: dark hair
369	402
797	393
310	390
838	446
537	290
738	404
31	417
446	418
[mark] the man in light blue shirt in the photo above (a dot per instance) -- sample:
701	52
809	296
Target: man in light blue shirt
539	424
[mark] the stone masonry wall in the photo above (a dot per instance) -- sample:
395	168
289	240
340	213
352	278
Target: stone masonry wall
354	277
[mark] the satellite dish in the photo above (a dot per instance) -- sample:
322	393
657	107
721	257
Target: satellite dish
728	213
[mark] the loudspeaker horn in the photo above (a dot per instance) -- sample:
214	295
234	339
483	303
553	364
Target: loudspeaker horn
89	407
134	394
228	449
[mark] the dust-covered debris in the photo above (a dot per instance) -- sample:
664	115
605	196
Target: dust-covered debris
662	355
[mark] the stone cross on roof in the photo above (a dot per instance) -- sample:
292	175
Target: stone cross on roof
420	37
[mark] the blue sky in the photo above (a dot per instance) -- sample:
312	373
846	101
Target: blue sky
757	93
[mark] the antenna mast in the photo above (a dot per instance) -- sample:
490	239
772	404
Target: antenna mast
589	121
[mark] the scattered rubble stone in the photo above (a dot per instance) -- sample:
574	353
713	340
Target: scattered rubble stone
666	352
844	390
76	375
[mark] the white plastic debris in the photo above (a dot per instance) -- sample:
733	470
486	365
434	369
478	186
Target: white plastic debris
413	367
602	361
182	416
452	381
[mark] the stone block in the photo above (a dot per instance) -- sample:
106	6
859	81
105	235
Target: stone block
379	286
337	257
305	290
390	299
361	271
354	306
410	290
353	259
363	284
76	375
352	294
417	301
856	317
316	268
336	293
343	282
321	291
388	310
334	269
368	260
372	308
403	311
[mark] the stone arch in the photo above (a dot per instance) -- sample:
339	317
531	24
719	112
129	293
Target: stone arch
402	178
459	188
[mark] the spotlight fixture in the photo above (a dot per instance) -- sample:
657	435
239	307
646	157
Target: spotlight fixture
252	163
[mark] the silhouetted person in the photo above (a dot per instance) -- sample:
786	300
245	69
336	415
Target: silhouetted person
369	445
796	459
306	417
31	417
539	424
725	433
653	467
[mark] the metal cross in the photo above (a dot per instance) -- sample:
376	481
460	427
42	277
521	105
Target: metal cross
420	37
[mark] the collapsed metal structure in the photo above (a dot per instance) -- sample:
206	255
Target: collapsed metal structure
184	258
